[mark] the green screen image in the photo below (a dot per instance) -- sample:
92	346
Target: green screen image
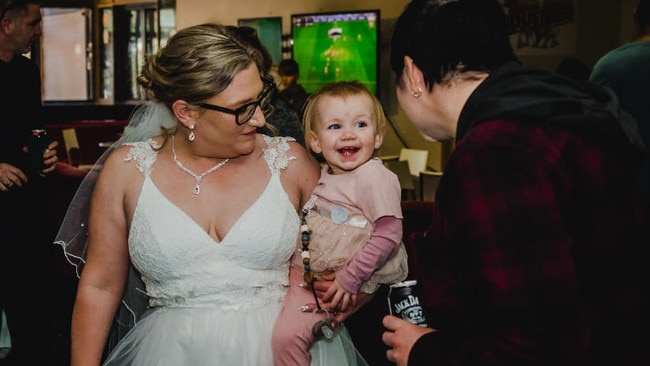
336	46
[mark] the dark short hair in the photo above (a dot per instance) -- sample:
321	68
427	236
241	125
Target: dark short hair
445	36
6	5
288	67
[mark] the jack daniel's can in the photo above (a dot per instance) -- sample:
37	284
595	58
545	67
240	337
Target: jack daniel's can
403	301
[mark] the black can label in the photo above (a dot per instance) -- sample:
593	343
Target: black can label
403	301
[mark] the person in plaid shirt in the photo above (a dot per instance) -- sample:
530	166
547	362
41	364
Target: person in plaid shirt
533	255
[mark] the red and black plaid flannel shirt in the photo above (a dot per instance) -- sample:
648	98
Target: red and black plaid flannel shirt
533	243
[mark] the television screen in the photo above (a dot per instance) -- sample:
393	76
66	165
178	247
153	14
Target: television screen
336	46
269	31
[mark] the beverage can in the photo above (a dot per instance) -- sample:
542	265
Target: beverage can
38	143
403	301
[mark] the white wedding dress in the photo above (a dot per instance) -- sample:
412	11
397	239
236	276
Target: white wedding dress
212	303
191	301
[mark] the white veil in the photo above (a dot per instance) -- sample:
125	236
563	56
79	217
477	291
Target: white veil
149	119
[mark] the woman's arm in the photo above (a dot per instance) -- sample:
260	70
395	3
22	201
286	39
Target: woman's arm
104	275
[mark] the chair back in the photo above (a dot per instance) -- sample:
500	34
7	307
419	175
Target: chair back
71	145
417	160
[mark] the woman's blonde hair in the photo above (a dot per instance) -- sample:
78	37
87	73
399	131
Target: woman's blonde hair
197	63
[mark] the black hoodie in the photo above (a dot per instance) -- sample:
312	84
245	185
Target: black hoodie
522	93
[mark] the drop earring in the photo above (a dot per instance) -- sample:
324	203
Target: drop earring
191	136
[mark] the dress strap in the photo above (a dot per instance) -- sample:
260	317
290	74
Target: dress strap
276	152
144	153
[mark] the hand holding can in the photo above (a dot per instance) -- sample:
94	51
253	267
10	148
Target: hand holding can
38	143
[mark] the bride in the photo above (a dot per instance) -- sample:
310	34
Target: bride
182	232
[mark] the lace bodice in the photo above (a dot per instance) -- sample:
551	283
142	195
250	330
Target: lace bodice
182	266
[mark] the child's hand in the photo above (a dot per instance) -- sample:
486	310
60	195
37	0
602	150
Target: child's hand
338	298
322	284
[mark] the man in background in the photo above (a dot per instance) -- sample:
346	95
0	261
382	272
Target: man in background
626	70
25	245
290	90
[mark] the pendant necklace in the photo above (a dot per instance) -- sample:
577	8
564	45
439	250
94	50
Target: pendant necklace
197	177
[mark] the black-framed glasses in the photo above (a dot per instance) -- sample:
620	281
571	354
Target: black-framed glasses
244	113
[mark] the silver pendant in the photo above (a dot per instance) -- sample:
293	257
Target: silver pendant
197	189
